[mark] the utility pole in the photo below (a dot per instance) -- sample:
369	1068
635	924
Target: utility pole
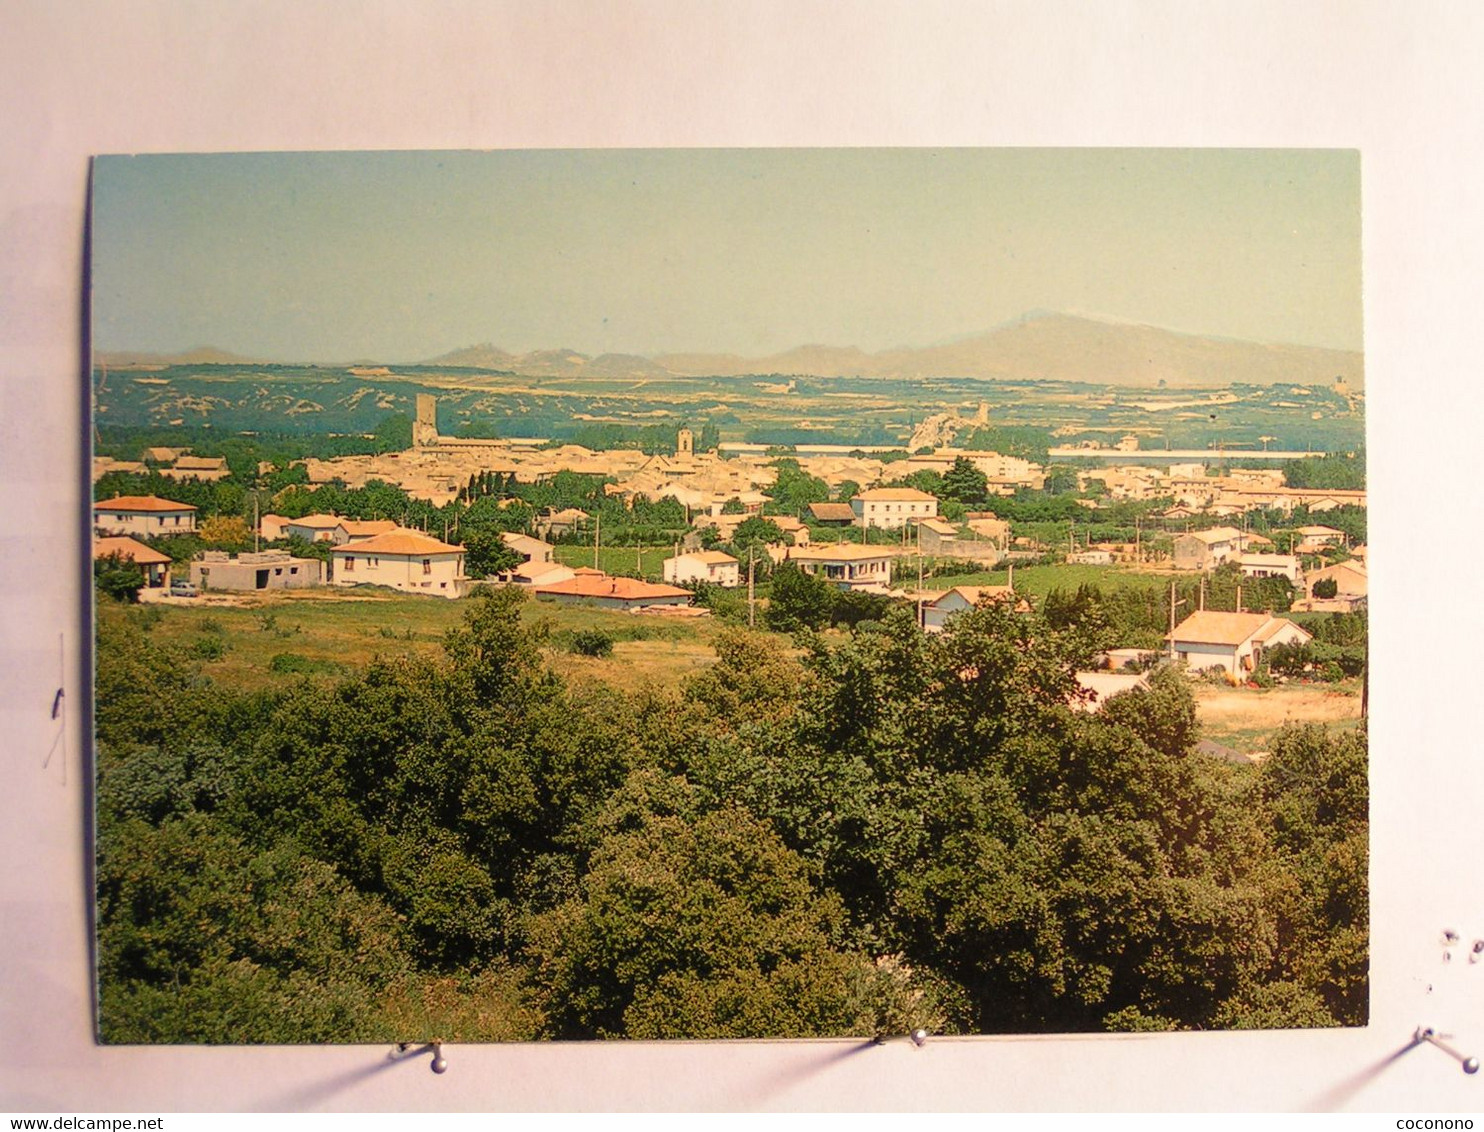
1203	594
597	530
257	524
1173	606
751	601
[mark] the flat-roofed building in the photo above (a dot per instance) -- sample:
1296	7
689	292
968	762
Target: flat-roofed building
265	570
145	515
847	566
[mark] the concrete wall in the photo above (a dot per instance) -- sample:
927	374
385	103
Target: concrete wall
250	572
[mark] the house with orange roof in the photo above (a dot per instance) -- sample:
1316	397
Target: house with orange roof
273	527
348	530
1233	642
313	528
146	515
152	564
403	559
1352	585
714	566
607	592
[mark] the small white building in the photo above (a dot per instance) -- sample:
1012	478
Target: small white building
1091	557
1314	539
937	612
147	516
891	508
848	566
1103	686
313	528
1272	566
404	560
1233	642
712	566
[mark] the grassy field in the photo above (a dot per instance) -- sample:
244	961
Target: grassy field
257	640
1247	718
617	560
1040	580
264	639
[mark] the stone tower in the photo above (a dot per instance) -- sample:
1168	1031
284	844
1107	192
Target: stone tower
685	443
425	427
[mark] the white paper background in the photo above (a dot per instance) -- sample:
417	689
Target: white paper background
1398	81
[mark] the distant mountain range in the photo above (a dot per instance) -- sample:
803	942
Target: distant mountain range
1038	346
196	356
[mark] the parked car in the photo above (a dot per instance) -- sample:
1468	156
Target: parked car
182	588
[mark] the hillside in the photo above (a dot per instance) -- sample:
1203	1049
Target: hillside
196	356
1039	346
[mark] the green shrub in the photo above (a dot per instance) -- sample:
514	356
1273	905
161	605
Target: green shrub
592	642
209	648
285	662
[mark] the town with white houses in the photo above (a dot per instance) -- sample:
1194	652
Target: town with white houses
874	536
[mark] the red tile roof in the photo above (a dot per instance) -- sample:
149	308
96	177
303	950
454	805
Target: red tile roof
129	549
140	503
1214	627
624	589
410	543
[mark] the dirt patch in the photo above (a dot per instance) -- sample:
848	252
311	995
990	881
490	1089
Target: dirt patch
1247	718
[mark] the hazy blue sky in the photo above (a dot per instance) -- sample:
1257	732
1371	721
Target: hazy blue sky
402	256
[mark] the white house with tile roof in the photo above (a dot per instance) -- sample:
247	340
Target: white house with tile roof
403	559
145	515
1233	642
